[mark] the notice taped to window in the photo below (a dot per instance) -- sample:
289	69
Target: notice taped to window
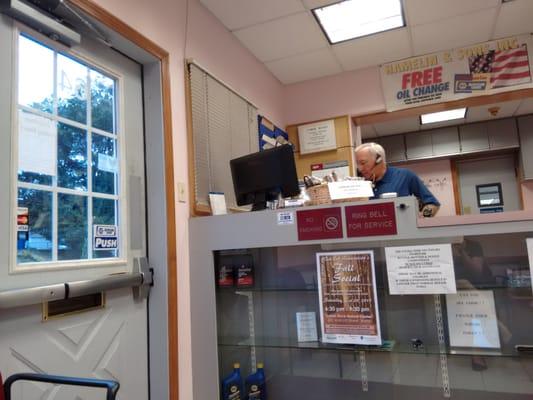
348	301
472	319
424	269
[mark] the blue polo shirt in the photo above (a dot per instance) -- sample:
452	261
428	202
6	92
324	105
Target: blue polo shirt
405	183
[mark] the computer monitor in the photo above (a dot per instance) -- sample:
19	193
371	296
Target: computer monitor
262	176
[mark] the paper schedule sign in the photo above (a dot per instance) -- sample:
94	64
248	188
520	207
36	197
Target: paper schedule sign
424	269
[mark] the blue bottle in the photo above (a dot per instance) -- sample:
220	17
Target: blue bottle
232	385
255	384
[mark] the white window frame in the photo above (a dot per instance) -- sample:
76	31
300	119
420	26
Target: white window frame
120	263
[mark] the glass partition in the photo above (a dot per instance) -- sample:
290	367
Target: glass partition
472	344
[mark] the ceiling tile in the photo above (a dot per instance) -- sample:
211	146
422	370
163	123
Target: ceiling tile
311	4
453	32
482	113
514	18
235	14
420	12
305	66
526	107
283	37
397	126
373	50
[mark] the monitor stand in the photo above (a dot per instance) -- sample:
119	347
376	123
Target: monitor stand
260	202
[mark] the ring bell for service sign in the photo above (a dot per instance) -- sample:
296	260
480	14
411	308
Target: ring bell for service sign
348	301
487	68
105	237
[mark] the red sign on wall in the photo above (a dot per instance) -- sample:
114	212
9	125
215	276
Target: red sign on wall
371	220
324	223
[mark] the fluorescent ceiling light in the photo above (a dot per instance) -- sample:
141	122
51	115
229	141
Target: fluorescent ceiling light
351	19
431	118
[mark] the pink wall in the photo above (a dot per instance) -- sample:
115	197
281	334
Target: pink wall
437	176
349	93
165	22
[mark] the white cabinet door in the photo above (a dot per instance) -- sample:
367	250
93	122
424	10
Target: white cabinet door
525	127
473	137
445	141
419	145
502	133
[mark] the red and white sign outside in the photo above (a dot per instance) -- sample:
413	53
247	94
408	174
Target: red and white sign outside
323	223
371	220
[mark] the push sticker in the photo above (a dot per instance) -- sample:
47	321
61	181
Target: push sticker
105	237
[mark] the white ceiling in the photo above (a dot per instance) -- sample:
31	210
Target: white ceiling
284	35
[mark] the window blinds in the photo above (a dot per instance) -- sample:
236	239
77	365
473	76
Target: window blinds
224	127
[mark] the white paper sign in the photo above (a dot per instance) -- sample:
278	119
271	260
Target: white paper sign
350	189
306	326
529	243
107	163
37	144
319	136
424	269
472	319
217	201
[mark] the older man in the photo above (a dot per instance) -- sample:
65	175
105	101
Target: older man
372	165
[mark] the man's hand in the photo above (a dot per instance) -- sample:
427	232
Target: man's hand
429	210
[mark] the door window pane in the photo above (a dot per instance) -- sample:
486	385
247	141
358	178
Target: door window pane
72	227
72	157
35	68
103	102
71	89
105	213
104	163
36	244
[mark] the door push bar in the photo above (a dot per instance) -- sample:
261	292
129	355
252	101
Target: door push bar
110	386
140	280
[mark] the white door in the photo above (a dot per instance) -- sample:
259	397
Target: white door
71	172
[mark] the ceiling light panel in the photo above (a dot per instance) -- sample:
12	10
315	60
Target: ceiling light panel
431	118
351	19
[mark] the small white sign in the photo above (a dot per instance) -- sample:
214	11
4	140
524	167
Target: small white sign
306	326
424	269
350	189
105	237
285	218
529	244
472	319
319	136
107	163
37	144
217	201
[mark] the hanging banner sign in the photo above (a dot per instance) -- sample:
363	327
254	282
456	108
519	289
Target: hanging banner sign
348	300
488	68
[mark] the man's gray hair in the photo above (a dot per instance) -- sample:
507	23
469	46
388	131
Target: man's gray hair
376	149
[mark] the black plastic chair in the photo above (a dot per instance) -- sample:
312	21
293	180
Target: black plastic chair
110	386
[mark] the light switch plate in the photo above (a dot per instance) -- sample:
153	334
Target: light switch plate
182	193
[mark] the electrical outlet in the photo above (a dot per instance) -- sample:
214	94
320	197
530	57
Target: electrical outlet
182	193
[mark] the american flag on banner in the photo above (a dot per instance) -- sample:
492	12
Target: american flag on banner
506	67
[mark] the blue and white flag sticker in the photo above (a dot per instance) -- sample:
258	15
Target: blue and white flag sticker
105	237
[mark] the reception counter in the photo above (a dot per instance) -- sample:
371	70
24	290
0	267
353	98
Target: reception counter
458	327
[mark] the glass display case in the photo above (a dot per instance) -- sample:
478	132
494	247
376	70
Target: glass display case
260	301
